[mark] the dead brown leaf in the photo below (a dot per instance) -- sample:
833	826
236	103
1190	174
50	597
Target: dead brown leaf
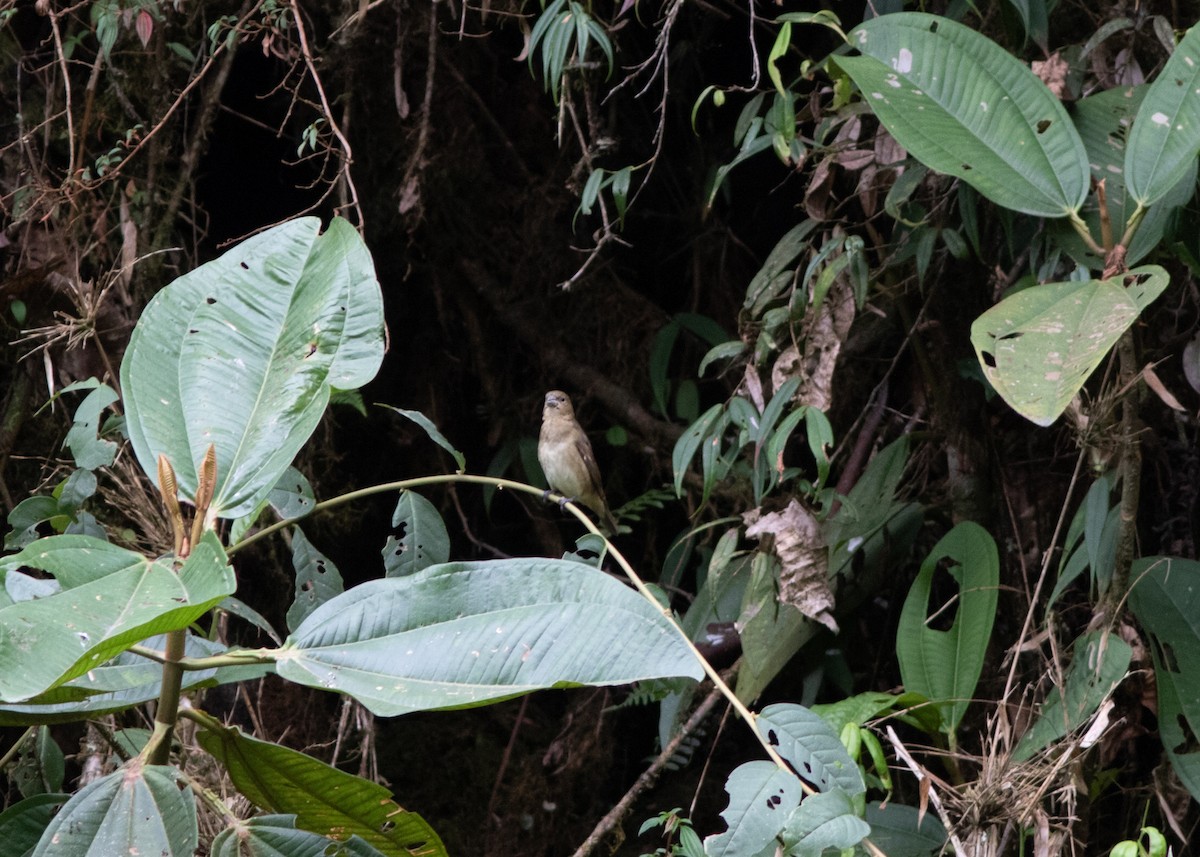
804	577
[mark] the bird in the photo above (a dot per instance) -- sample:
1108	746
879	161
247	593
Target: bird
565	454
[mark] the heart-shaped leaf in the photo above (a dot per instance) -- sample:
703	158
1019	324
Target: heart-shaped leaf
1038	347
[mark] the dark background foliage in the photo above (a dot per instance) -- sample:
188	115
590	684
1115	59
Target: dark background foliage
466	182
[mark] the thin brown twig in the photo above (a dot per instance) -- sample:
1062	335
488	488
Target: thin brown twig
504	760
648	777
180	99
190	160
334	127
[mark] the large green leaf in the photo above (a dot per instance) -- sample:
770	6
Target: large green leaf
1102	121
1038	347
1166	600
761	798
111	599
125	681
136	810
462	634
242	352
323	799
1100	663
945	665
965	107
1165	138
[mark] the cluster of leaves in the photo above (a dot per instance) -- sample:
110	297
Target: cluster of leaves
1090	192
436	634
962	106
305	314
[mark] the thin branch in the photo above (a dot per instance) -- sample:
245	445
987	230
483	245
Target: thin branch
209	105
62	61
650	776
179	101
347	152
750	718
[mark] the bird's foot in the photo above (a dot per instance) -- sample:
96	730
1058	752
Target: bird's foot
562	500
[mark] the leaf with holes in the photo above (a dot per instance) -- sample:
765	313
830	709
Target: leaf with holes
1038	347
809	744
242	354
424	541
966	107
944	665
761	798
1165	138
1166	601
1100	663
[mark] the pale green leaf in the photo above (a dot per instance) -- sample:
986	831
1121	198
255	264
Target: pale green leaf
1165	138
964	106
809	744
278	836
1038	347
242	352
292	496
136	810
423	541
121	683
464	634
111	599
87	448
761	797
346	259
826	820
317	579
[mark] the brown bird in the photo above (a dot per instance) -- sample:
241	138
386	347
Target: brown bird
565	454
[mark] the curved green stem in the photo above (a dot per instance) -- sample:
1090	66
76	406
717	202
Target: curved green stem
234	658
1081	228
749	716
1131	227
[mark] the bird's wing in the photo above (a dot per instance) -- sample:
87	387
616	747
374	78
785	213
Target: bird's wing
584	447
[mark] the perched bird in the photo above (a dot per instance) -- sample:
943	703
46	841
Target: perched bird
565	454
